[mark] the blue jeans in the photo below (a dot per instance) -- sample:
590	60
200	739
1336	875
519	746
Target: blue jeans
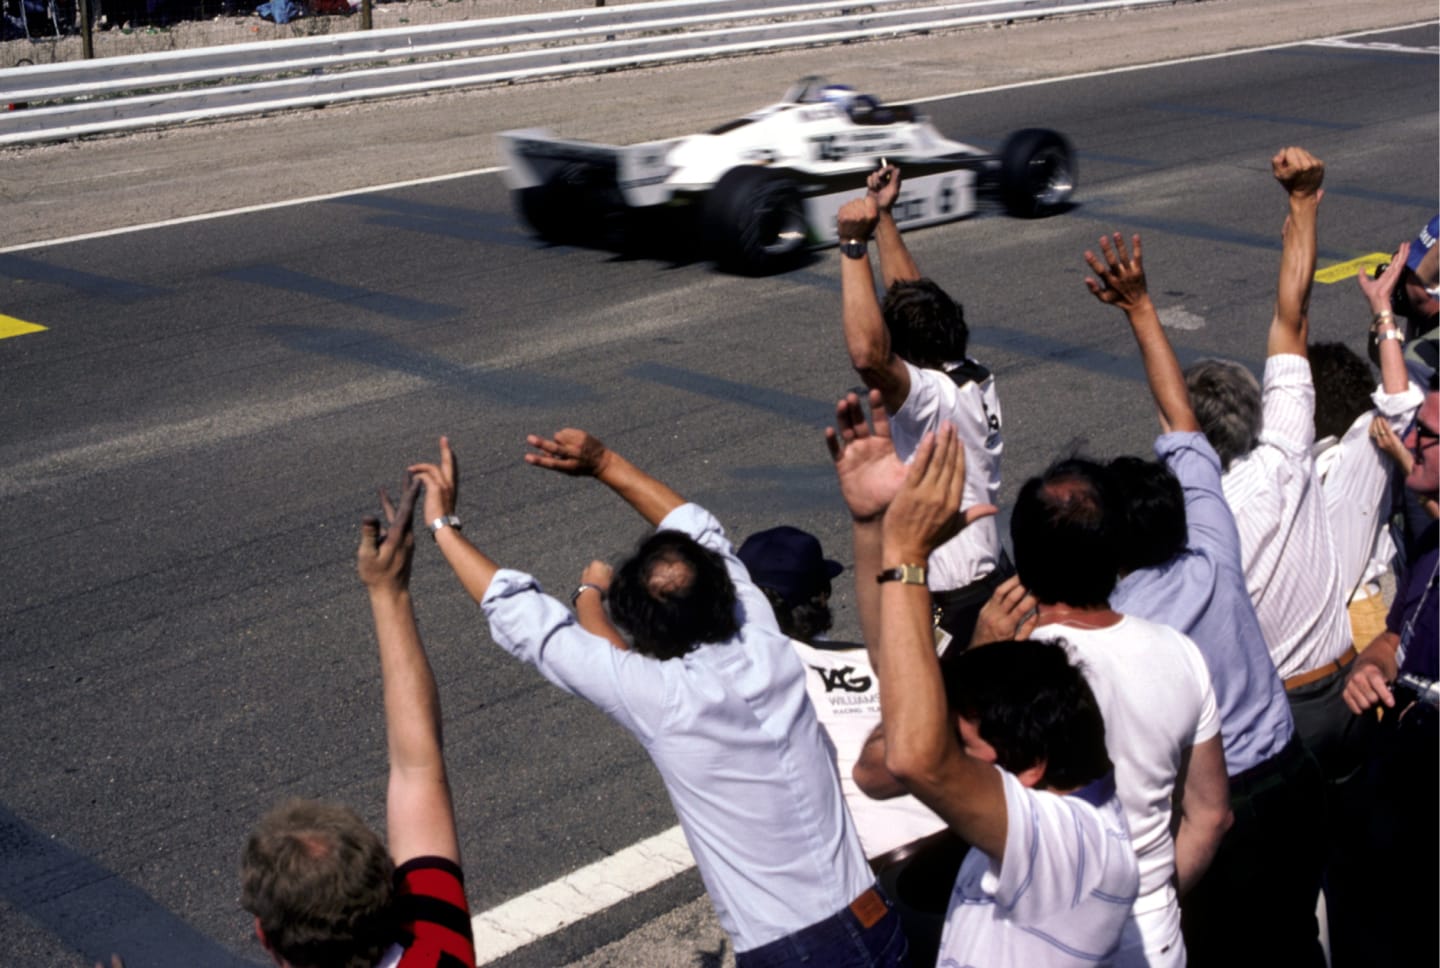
840	941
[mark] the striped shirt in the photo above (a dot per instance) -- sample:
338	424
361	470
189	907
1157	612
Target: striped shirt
434	917
1356	476
1061	894
1291	567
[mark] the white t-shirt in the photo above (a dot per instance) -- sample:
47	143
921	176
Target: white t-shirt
1292	570
846	696
1060	896
1155	693
975	411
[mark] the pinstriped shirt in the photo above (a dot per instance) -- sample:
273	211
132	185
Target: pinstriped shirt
1292	570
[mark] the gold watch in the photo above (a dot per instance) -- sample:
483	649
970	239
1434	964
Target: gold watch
904	574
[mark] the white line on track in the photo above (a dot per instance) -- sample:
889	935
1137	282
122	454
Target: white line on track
576	896
392	186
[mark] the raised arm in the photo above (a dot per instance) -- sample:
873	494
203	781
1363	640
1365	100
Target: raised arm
870	474
1300	174
473	567
921	746
1389	338
576	453
1120	281
896	264
420	817
866	337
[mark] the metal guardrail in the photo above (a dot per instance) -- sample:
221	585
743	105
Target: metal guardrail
68	100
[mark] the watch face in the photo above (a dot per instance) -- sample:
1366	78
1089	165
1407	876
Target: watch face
853	249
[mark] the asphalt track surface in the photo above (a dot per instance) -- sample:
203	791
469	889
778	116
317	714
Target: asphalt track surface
188	446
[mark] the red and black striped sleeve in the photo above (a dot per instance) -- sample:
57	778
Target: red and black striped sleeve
434	916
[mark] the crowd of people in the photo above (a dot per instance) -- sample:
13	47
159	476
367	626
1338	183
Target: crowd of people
1150	733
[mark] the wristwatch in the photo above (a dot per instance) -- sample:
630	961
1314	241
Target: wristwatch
444	521
904	574
853	248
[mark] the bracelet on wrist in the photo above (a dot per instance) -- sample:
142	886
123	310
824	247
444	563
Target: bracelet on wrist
580	589
442	522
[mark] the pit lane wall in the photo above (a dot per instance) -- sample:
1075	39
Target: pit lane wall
53	102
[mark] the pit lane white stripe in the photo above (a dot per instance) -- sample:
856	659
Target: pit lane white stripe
392	186
577	895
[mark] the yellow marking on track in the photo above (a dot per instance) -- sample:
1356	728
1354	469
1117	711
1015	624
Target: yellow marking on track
10	326
1344	270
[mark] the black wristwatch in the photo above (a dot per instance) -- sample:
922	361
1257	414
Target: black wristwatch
853	248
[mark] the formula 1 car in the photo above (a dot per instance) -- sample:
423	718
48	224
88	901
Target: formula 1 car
759	191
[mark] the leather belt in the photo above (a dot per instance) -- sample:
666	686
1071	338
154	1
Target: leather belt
1315	675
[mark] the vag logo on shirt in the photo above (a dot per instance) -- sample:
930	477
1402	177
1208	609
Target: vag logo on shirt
843	678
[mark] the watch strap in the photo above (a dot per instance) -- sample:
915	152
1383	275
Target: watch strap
904	574
444	521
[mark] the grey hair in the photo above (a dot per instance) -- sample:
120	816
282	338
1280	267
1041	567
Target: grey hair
1226	398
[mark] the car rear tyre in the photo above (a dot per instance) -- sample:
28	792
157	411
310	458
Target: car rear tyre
753	222
578	204
1037	173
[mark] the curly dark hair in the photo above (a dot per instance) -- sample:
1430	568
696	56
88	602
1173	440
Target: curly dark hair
805	620
1032	705
1061	532
927	327
1343	384
1150	526
672	595
321	883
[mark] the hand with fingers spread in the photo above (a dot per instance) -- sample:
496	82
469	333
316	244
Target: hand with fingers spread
869	471
1379	289
1009	615
1120	279
570	451
926	512
1299	172
385	554
883	185
441	482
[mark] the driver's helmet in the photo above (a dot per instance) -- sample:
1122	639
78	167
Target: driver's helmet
839	95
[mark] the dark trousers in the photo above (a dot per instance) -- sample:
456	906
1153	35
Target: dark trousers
1391	848
1340	742
867	934
1256	903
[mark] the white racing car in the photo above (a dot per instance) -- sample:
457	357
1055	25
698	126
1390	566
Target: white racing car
761	190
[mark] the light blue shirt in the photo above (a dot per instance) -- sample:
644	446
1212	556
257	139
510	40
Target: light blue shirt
1202	593
732	732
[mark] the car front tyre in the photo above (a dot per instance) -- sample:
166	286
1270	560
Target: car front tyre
1037	173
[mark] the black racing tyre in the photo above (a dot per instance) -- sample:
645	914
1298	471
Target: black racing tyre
753	222
578	204
1037	173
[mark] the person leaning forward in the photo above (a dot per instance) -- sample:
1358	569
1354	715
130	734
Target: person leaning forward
714	693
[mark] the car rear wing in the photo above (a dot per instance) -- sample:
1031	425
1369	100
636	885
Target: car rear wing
534	157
